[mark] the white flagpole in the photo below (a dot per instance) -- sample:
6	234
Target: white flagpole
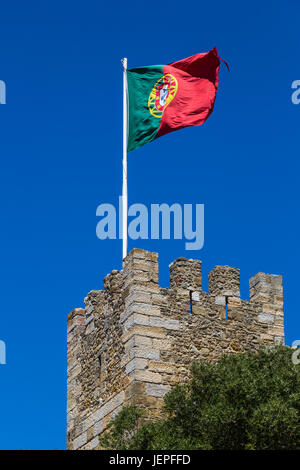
124	190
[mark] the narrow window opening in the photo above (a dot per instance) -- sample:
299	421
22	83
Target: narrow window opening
100	366
226	308
191	300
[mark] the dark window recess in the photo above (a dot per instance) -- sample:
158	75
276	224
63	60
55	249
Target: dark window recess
191	300
100	365
226	308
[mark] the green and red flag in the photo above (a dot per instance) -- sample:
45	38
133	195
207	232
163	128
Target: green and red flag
165	98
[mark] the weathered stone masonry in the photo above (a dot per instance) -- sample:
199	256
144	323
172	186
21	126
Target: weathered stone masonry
134	340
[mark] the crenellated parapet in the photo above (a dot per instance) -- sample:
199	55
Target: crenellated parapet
135	340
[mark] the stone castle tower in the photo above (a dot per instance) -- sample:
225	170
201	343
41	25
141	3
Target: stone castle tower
134	340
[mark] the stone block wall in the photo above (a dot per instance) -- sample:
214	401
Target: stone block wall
134	339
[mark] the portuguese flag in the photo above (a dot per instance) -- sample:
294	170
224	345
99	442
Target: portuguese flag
165	98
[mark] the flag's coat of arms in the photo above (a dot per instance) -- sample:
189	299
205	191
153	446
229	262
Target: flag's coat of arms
162	94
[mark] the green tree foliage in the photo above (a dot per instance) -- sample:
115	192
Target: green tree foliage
243	401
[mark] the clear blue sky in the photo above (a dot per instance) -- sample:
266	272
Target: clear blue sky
61	145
